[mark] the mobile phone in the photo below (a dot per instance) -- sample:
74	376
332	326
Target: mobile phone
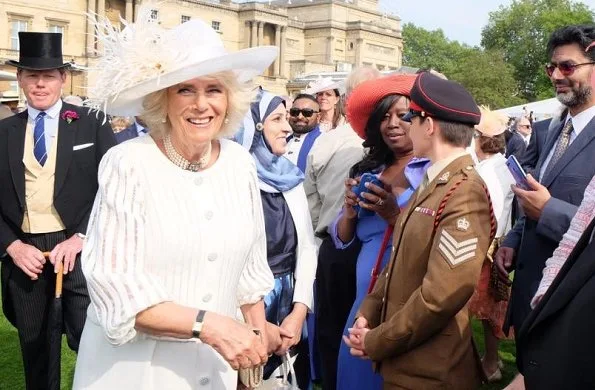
366	178
518	173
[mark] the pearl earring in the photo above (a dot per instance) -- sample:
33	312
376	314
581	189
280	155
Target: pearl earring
226	120
164	119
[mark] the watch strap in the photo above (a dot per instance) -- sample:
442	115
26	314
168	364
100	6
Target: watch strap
196	329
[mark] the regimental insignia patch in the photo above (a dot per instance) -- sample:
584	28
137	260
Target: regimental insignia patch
462	224
456	252
444	177
425	210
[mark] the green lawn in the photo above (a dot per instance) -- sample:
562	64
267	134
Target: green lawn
11	366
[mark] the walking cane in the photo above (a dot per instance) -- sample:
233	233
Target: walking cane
55	332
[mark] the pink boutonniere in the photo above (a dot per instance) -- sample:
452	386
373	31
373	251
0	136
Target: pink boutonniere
70	116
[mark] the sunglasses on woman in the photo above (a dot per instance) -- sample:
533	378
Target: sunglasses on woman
306	112
566	67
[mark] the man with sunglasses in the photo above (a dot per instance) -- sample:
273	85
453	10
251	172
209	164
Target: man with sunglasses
561	174
303	119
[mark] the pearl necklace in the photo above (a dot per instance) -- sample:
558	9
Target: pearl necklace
180	161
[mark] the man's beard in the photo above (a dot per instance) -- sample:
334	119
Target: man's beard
303	129
575	98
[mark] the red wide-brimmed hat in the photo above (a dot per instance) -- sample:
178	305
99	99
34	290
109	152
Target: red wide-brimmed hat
367	95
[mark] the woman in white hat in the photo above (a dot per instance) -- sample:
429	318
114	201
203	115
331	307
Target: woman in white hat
176	239
328	95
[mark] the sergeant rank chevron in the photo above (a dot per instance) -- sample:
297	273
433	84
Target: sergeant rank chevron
454	251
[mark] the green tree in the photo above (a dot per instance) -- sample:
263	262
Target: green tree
488	77
483	73
430	49
521	32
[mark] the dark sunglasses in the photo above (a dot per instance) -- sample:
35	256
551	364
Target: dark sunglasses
412	114
306	112
566	68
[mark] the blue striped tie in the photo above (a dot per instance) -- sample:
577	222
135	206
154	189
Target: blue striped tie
39	149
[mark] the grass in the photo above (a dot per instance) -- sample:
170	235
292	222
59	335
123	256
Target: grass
11	364
12	377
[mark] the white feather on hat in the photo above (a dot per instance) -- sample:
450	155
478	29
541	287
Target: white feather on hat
144	57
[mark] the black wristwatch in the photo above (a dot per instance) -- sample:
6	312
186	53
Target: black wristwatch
197	327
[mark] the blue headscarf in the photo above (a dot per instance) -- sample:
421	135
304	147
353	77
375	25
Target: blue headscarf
275	173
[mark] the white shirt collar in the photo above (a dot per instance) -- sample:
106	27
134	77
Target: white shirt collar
51	112
581	120
526	138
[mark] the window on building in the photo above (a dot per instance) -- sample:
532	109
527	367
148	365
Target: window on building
154	14
56	28
185	18
14	89
16	26
216	25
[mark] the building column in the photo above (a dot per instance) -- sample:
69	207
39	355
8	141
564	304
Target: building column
253	35
129	13
260	33
358	51
278	44
329	50
282	51
90	29
100	14
135	11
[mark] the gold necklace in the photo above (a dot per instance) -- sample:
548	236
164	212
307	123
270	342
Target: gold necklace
179	160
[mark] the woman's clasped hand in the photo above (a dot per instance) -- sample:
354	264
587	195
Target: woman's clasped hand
239	345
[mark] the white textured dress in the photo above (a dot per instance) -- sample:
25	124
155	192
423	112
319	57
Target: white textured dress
158	233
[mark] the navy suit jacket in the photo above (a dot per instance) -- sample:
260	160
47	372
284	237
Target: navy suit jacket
535	241
128	133
516	146
555	344
536	145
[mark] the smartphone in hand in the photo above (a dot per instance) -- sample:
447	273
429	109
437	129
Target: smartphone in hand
366	178
518	173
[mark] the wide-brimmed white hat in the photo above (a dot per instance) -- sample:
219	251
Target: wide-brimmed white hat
144	58
324	84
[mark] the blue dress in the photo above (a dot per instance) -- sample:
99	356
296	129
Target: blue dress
353	372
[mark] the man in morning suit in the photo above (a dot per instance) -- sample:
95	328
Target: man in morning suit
49	156
563	170
415	324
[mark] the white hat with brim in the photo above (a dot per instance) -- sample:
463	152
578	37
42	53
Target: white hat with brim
246	64
145	58
325	84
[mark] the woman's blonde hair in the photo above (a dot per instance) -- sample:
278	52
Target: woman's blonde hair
239	97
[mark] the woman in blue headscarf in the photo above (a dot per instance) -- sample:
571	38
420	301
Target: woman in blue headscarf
291	250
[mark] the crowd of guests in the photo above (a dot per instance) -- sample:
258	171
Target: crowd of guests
347	236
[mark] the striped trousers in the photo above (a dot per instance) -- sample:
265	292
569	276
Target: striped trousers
26	304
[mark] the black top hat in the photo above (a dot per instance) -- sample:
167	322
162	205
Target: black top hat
39	51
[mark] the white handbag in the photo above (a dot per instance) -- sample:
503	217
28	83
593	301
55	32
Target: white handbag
284	383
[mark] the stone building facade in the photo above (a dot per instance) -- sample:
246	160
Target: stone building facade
313	36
